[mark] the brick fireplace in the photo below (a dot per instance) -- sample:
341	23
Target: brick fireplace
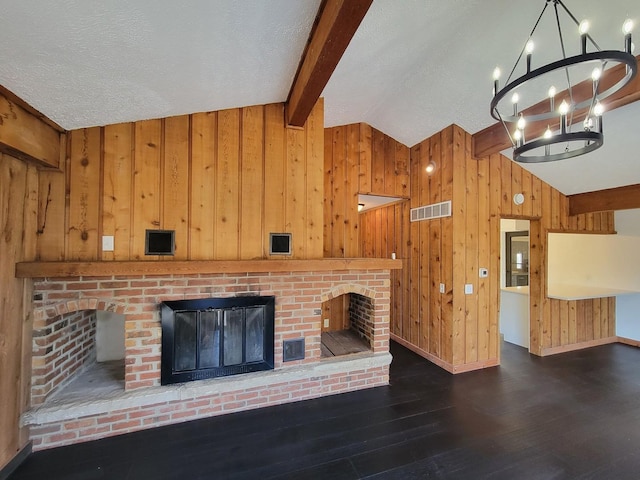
64	323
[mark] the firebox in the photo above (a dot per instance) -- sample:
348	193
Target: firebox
216	337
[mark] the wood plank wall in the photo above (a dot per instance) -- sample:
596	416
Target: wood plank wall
18	207
222	180
461	331
358	160
362	160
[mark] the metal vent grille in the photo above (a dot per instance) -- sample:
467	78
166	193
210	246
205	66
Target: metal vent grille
427	212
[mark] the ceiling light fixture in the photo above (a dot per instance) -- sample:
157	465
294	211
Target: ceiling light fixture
560	111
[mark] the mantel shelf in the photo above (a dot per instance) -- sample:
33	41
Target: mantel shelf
133	268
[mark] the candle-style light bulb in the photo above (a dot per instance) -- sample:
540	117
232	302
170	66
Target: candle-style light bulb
547	135
627	27
563	109
517	136
521	123
529	49
552	95
584	29
598	110
496	77
514	99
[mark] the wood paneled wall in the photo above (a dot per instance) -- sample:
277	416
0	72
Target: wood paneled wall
460	331
358	160
384	231
222	180
18	206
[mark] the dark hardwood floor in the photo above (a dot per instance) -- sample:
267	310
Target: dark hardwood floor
570	416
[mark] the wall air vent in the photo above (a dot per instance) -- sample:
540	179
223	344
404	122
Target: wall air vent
428	212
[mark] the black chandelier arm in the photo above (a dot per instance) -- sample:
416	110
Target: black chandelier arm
602	56
592	141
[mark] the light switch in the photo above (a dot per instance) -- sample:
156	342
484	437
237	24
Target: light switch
107	243
326	323
468	288
442	288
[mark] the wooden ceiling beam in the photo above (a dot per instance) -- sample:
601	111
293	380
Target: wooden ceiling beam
26	136
620	198
335	26
494	138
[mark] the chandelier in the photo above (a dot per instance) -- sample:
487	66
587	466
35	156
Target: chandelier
572	116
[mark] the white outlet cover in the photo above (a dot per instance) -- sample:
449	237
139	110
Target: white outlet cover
442	289
107	243
483	273
468	288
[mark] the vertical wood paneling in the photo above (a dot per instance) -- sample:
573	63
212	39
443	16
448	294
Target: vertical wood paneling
485	324
377	163
252	178
351	230
226	235
51	230
84	197
295	197
175	186
203	171
274	172
116	203
18	219
366	151
315	185
435	247
446	255
146	184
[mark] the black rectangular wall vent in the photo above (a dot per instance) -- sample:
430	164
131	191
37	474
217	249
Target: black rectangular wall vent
216	337
160	242
279	244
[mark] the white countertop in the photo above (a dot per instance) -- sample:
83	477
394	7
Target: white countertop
520	290
581	292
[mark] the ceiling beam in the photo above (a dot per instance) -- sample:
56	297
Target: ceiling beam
620	198
26	136
336	23
494	138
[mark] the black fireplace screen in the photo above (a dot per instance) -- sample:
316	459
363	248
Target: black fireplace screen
216	337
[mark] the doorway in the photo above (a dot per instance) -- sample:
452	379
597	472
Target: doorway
514	282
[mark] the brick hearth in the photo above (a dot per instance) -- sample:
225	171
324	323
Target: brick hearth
59	341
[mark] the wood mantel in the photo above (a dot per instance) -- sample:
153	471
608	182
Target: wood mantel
107	269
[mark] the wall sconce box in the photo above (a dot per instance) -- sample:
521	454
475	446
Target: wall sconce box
160	242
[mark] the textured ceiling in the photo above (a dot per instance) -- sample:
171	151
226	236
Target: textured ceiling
413	68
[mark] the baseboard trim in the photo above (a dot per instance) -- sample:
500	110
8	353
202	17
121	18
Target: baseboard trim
467	367
15	462
578	346
629	341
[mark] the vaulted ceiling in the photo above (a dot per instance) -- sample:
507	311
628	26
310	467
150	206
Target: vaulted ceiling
412	68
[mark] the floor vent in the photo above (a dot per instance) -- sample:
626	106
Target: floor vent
427	212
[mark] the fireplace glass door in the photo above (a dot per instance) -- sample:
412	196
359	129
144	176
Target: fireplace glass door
217	337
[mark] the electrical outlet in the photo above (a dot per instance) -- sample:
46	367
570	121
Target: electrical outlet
326	323
483	272
107	243
442	289
468	288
